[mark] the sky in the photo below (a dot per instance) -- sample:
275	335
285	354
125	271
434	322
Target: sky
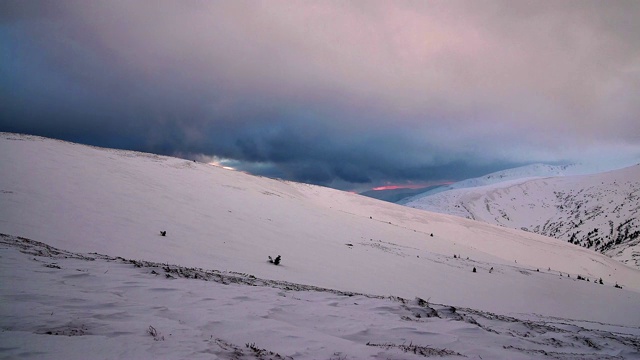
347	94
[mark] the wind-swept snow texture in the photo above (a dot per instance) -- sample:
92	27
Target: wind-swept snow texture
597	211
91	200
63	305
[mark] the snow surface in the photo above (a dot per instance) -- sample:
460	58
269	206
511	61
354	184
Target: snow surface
62	305
599	211
357	250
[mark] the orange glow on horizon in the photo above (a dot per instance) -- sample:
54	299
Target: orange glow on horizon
410	186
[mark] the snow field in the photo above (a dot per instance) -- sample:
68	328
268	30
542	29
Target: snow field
91	200
60	304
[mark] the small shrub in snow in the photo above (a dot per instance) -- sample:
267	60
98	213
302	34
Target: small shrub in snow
474	269
156	335
163	233
617	286
275	261
422	302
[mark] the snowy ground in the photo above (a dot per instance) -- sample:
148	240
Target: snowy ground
90	200
61	305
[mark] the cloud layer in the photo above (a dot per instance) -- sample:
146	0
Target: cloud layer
332	92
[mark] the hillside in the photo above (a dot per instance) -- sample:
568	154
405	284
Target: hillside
99	212
597	211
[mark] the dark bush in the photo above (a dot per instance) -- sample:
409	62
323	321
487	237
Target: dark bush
275	261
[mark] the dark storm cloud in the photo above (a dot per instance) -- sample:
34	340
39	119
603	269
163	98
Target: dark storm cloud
328	92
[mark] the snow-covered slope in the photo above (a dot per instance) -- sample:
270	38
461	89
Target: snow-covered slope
62	305
85	200
597	211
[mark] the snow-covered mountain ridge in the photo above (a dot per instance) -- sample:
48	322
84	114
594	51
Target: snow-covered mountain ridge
597	211
518	174
350	255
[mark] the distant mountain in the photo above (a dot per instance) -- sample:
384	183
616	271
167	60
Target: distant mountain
523	172
596	211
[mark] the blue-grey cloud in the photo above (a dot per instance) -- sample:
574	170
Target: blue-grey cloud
336	93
